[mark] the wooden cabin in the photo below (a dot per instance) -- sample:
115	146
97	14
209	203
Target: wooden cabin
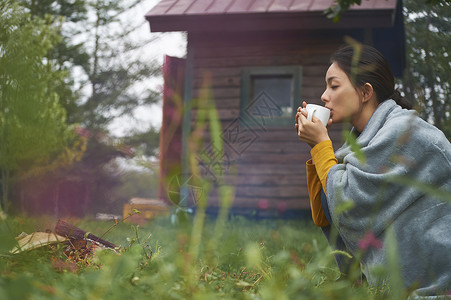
255	61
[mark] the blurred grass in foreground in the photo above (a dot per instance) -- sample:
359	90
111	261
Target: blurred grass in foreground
264	259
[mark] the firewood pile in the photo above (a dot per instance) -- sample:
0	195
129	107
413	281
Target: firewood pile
77	235
77	244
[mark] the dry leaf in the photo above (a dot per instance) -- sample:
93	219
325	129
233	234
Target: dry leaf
36	240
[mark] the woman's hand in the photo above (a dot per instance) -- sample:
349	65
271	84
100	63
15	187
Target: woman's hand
312	132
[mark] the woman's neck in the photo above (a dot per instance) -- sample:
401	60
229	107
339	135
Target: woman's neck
368	108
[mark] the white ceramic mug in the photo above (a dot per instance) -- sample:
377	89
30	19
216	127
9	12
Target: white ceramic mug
319	112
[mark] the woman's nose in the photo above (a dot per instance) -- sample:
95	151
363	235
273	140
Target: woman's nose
324	97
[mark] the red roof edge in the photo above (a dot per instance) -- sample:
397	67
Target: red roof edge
270	21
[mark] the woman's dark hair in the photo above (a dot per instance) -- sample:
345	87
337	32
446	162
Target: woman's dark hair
364	64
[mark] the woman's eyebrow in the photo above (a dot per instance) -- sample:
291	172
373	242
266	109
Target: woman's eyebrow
329	80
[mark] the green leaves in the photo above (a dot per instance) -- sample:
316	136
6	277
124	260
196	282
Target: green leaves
344	206
351	140
423	187
339	7
426	79
397	286
33	129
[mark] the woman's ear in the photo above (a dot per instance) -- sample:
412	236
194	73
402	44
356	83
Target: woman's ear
367	92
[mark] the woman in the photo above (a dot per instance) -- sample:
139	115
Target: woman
392	146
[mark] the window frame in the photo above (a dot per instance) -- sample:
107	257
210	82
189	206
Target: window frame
245	93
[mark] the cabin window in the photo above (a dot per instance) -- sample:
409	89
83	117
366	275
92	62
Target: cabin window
270	95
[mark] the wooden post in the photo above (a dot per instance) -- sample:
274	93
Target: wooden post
72	232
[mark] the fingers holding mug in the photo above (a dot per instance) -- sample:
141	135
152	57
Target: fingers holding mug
318	111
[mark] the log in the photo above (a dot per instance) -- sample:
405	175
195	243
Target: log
74	233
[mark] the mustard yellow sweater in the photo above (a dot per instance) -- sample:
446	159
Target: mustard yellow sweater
323	158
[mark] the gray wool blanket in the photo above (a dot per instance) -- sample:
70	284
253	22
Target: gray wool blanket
397	146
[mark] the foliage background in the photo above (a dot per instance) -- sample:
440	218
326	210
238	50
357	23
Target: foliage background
97	78
426	80
231	258
86	76
255	259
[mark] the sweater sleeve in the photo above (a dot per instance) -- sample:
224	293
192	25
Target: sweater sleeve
324	159
314	190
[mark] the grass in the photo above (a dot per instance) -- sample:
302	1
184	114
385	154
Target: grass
251	259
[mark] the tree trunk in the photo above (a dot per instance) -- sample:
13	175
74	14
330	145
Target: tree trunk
5	186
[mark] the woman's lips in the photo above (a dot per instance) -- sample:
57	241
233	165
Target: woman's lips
331	112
